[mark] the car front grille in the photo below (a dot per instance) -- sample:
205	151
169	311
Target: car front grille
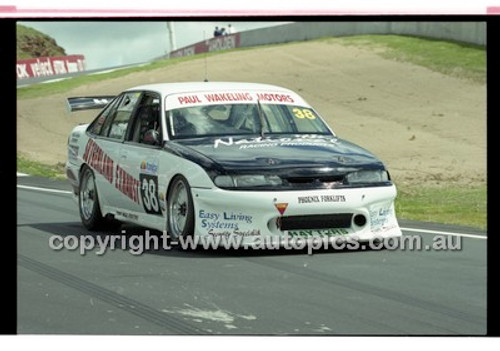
330	221
317	181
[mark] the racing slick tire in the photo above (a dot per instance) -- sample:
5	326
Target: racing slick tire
88	201
180	211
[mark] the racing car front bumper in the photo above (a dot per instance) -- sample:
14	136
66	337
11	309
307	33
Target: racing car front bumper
362	213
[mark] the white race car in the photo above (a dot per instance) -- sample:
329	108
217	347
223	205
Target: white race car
213	159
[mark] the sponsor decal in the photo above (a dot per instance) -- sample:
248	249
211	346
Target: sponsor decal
232	216
320	198
149	167
280	206
220	97
269	97
214	97
97	159
253	146
384	229
100	162
127	184
243	233
260	142
317	232
379	216
102	101
128	215
226	220
189	99
228	97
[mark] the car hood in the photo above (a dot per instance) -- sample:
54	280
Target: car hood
294	155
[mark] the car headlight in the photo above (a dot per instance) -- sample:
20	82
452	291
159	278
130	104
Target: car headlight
247	181
367	177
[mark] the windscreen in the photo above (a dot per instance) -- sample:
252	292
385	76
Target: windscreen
243	119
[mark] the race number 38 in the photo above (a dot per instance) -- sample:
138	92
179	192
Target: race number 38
149	193
302	113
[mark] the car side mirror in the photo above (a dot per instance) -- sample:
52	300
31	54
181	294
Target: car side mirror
151	137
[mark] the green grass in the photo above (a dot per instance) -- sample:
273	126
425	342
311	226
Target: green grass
451	204
34	168
451	58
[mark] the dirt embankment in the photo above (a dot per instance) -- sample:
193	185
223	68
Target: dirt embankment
425	126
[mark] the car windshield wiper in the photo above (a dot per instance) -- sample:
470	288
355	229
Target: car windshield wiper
261	117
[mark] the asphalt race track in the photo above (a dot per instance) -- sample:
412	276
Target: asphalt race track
363	292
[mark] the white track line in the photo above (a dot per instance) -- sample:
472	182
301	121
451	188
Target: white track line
44	189
19	174
465	235
473	236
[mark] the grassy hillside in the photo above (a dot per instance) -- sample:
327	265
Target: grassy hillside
447	57
32	43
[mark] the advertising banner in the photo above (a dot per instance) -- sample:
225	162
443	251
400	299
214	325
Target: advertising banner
49	66
224	42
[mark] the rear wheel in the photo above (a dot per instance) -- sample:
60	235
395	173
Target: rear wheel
88	201
180	216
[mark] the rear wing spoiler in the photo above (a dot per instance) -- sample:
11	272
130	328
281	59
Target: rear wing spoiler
88	102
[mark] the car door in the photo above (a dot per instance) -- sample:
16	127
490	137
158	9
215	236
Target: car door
101	154
118	189
140	158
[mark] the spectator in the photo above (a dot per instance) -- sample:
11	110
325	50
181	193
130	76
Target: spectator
223	31
217	32
230	29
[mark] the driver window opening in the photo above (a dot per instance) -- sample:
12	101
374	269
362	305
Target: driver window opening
147	120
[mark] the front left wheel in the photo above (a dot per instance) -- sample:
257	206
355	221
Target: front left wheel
180	218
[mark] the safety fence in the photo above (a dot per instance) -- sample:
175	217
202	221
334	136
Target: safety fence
465	32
